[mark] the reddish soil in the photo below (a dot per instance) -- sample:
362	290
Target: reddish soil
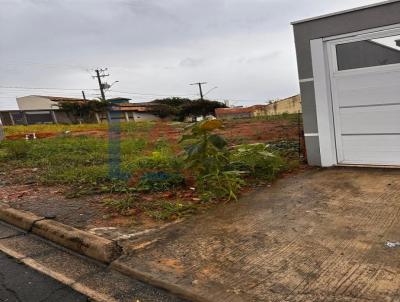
249	131
261	131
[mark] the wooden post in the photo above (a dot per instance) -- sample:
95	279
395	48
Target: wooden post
126	116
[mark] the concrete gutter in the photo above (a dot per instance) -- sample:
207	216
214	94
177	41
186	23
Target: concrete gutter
90	245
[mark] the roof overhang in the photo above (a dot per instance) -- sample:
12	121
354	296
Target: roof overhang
344	11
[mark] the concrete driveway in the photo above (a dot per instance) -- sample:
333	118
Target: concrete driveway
317	236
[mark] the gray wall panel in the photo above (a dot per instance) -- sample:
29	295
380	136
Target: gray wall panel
373	17
308	106
313	151
384	15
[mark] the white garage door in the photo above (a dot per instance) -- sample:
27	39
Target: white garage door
365	79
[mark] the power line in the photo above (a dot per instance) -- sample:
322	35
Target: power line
22	88
151	94
200	88
41	88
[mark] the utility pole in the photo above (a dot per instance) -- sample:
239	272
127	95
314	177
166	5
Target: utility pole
100	73
84	96
200	88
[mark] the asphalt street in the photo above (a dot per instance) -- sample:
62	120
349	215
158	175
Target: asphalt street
19	283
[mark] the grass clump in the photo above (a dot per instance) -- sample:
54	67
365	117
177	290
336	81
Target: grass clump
17	150
122	205
166	210
160	181
159	210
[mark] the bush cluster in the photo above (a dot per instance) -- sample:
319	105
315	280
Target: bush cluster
219	170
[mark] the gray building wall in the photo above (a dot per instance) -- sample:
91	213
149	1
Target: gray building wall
383	15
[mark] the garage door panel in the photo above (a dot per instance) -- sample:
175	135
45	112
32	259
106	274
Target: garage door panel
370	120
365	83
371	149
370	89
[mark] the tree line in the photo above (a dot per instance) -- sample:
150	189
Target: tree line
173	107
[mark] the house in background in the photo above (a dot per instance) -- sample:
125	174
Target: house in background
349	74
38	109
289	105
125	111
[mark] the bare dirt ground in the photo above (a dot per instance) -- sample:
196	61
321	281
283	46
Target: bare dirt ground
85	212
317	236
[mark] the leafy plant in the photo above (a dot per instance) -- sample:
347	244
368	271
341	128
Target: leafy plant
221	184
206	154
257	160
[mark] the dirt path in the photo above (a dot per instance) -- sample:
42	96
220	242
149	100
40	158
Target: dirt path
318	236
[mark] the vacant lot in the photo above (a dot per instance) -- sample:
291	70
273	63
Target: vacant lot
65	172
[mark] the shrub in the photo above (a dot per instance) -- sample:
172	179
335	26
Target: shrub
257	160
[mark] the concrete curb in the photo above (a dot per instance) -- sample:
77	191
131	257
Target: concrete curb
149	279
79	241
23	220
90	245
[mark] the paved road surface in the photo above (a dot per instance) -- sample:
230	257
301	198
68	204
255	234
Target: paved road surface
19	283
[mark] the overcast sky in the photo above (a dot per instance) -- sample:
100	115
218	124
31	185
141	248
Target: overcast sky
154	47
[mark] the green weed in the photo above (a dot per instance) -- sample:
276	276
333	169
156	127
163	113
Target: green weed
165	210
122	205
257	160
16	150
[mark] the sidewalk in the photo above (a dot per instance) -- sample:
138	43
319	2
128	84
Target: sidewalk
317	236
89	277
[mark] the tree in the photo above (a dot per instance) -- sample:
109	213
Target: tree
182	108
200	108
84	110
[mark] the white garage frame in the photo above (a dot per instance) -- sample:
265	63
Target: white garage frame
321	51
